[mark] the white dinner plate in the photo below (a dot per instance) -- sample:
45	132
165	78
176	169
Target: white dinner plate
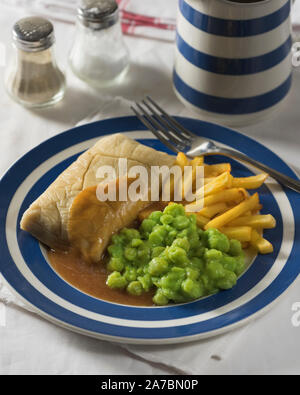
26	270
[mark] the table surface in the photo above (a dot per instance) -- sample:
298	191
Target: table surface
31	345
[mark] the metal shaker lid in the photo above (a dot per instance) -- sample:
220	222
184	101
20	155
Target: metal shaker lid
33	34
98	14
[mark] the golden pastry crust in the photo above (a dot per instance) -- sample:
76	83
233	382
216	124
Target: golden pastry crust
47	217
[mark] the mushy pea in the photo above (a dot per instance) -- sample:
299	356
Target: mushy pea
172	255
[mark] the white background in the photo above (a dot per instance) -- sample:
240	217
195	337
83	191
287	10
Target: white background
31	345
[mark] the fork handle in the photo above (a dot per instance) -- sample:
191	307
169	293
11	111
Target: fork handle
280	177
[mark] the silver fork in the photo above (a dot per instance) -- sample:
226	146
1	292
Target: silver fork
178	139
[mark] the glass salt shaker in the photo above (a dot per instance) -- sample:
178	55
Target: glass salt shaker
99	55
33	78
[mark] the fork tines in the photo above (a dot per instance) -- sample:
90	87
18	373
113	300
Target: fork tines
162	125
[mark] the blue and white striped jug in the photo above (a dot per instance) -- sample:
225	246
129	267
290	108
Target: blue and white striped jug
233	59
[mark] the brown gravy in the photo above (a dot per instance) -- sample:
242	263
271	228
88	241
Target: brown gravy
91	279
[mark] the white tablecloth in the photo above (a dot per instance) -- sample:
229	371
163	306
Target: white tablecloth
31	345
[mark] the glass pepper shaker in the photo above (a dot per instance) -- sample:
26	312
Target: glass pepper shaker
33	78
99	55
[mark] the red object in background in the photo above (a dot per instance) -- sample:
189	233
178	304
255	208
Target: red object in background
131	20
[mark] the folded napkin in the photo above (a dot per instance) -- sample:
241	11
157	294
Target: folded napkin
190	358
148	18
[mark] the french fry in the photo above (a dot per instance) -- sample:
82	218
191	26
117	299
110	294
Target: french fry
208	180
198	161
253	182
217	185
223	202
260	244
182	160
230	215
211	211
241	233
234	195
248	214
216	170
190	180
255	211
201	221
229	184
255	221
